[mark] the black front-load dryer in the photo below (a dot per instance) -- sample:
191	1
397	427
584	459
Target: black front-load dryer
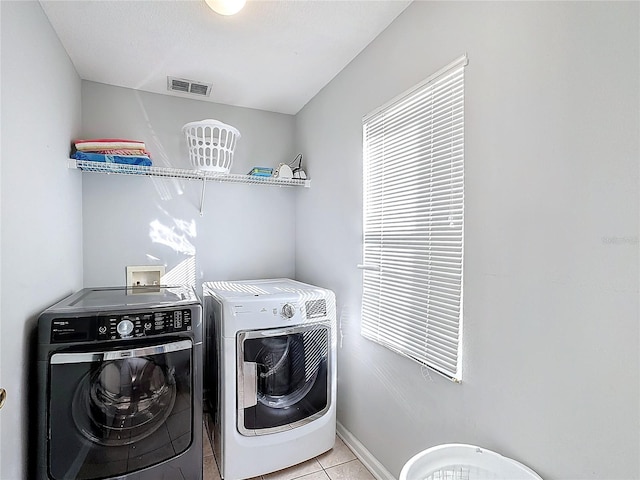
120	385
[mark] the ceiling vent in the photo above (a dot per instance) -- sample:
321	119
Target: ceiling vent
188	86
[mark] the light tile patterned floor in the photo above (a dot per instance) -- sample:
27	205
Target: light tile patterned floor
339	463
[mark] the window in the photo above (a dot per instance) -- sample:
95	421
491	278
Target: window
413	222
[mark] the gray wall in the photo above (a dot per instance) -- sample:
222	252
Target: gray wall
41	233
246	231
551	355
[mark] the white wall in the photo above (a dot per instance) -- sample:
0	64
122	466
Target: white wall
247	231
551	354
41	234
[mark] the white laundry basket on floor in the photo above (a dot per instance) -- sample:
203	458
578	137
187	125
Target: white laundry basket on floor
464	462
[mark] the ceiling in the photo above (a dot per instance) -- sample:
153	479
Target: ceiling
273	55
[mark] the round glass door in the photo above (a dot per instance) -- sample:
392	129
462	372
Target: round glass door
124	401
282	378
281	371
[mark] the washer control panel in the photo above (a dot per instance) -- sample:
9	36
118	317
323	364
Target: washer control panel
120	326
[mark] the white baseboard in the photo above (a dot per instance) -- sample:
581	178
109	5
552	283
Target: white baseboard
364	455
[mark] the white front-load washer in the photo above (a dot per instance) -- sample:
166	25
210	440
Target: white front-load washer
270	373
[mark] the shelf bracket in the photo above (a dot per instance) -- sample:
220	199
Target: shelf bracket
204	184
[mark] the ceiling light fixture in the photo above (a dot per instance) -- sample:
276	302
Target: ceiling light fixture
226	7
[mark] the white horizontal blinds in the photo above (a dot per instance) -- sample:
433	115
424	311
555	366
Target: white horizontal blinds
413	222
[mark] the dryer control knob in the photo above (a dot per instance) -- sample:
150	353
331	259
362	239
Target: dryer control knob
125	327
288	311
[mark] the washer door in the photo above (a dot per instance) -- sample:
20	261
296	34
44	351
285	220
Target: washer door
116	412
124	401
282	378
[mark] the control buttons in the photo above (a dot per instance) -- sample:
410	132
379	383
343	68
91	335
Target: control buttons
177	320
125	327
288	311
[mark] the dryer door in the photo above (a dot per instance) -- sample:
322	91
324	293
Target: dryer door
283	378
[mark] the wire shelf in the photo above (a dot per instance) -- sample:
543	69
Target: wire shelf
121	169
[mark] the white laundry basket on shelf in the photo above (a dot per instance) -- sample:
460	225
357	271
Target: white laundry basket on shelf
211	144
464	462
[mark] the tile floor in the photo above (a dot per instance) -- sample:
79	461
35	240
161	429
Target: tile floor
339	463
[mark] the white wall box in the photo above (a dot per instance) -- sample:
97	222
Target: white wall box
144	275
